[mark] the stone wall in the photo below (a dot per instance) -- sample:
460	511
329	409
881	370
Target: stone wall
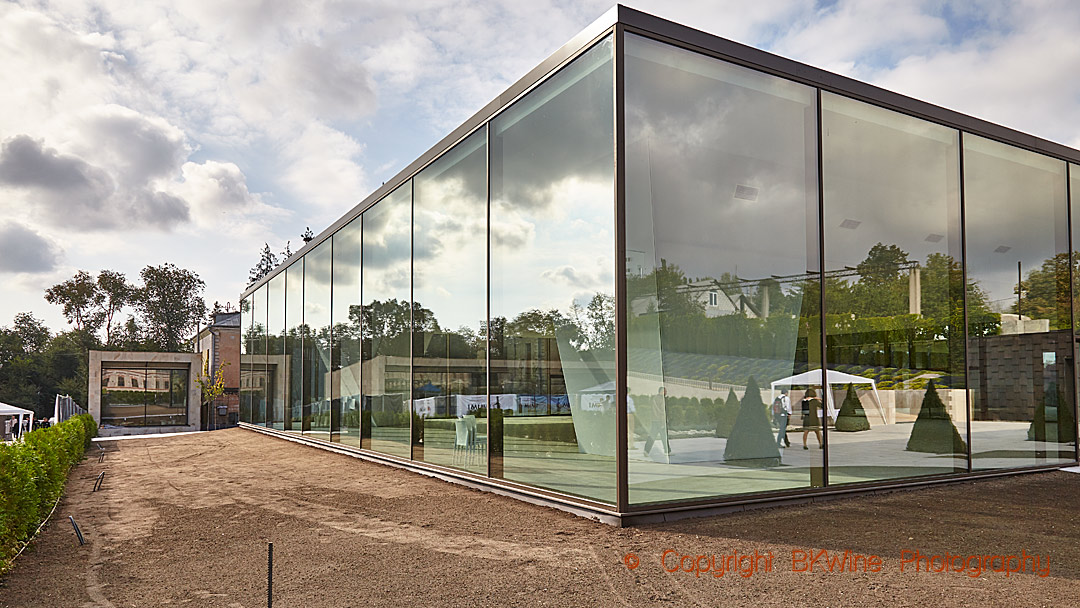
1010	374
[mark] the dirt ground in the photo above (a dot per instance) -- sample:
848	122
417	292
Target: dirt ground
184	521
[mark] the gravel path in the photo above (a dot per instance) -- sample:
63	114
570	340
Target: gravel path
184	521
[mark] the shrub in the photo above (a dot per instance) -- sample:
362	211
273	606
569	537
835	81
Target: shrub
852	418
752	441
1052	412
934	431
728	413
32	474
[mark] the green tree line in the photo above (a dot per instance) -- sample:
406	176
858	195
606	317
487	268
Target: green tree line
37	363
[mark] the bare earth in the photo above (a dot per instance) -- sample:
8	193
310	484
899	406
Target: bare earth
185	520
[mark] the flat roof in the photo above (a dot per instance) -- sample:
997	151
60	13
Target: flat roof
638	22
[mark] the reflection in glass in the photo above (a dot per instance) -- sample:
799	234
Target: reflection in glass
258	356
294	345
317	268
245	359
893	294
122	404
345	360
136	396
449	381
1020	349
722	276
276	381
386	321
552	350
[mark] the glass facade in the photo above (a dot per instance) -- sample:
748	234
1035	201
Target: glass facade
806	291
893	292
722	296
276	380
345	359
449	285
1019	316
386	321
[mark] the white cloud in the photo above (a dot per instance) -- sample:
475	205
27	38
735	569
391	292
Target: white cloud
223	125
23	250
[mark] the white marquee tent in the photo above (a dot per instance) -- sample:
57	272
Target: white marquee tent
10	410
834	378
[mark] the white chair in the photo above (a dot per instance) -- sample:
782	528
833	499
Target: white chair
461	441
477	449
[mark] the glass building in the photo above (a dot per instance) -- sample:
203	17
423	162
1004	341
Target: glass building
625	286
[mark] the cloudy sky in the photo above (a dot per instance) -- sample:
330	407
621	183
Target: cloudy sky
136	133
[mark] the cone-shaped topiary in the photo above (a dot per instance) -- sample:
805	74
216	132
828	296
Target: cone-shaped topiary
852	417
1066	423
751	440
1053	420
934	431
729	411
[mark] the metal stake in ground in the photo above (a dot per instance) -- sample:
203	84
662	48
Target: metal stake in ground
78	532
269	575
97	483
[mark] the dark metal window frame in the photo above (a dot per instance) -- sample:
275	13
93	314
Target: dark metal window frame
616	23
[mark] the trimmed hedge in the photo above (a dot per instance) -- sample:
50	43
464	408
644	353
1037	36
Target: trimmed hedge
32	475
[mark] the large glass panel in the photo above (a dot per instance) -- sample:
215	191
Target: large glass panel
136	396
178	380
552	350
294	345
386	320
245	359
167	397
123	396
258	356
449	382
276	380
722	277
317	269
1074	205
1020	343
159	401
893	294
345	363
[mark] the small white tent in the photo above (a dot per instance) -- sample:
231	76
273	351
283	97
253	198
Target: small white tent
813	378
10	410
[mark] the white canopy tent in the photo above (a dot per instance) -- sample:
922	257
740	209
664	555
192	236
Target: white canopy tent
813	378
11	410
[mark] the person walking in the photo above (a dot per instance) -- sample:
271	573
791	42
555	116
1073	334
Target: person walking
782	412
812	415
658	424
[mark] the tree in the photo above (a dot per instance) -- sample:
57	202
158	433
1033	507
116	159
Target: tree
218	309
211	386
267	262
35	365
752	441
851	417
113	294
595	323
169	304
80	299
1045	292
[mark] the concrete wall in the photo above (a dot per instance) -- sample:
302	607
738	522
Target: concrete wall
192	361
